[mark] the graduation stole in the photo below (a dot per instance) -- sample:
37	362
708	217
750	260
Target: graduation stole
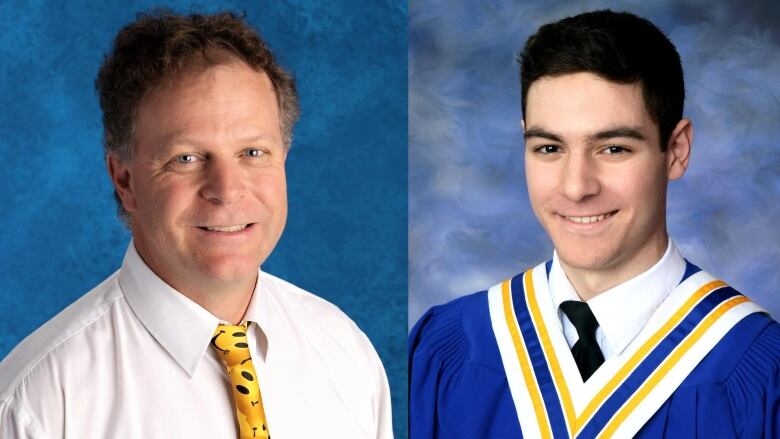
623	394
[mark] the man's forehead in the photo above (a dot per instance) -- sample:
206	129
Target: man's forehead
200	138
226	103
207	78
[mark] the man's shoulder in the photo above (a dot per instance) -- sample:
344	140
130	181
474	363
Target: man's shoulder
315	312
303	300
50	338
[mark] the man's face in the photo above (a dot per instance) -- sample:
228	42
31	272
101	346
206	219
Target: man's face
206	187
595	170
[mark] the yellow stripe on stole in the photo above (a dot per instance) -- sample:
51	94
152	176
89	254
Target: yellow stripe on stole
552	360
644	350
522	357
668	364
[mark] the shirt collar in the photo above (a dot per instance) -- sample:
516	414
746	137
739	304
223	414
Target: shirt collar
622	311
180	325
257	313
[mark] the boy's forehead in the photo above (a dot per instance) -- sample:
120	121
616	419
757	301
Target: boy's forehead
583	103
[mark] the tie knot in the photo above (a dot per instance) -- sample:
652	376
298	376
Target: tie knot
582	318
231	344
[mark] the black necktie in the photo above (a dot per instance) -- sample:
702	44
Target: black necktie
586	351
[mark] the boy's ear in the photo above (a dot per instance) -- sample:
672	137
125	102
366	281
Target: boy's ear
678	149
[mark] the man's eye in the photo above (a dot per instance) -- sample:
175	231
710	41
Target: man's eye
548	149
185	158
254	152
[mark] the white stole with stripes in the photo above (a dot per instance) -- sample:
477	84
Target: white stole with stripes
623	394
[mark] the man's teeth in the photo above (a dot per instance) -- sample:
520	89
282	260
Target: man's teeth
226	228
588	219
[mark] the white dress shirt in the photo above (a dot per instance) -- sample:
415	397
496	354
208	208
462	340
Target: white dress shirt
131	359
622	311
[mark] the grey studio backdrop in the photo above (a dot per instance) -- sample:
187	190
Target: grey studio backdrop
470	222
345	236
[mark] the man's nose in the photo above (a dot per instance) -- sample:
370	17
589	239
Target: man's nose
223	182
580	177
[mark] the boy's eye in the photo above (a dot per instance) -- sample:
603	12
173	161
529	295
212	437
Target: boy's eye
615	149
548	149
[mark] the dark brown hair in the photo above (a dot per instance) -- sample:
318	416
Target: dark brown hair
160	44
618	46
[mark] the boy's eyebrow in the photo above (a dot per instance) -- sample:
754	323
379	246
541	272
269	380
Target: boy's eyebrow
624	132
617	132
539	132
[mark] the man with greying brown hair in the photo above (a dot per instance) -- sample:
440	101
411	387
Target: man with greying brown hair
189	338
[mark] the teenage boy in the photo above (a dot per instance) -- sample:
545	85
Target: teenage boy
618	335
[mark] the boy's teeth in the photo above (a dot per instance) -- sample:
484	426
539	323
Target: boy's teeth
587	219
226	228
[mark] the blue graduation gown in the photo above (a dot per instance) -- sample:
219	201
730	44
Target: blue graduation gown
458	387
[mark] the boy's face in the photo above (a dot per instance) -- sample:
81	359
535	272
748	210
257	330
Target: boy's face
595	171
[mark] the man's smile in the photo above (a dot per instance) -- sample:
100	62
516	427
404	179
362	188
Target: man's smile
235	228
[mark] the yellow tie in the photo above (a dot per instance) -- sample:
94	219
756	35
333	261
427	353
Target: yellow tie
231	345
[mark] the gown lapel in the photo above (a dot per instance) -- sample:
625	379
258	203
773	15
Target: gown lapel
550	398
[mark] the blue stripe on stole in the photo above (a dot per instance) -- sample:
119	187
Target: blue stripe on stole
653	360
690	270
550	397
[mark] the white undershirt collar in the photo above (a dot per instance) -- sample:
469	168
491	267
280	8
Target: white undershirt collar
622	311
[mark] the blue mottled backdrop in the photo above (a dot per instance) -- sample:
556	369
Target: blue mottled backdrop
470	222
345	237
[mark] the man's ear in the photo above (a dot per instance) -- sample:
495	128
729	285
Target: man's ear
121	177
678	149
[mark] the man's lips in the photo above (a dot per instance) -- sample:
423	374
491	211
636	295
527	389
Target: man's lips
228	228
589	219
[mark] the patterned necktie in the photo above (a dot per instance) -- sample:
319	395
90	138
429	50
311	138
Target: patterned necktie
586	351
232	347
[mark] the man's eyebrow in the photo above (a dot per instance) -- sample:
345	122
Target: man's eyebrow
618	132
256	138
539	132
166	143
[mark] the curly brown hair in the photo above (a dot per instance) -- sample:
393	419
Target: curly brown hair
160	44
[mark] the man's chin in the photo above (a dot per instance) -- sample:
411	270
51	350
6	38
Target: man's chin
228	269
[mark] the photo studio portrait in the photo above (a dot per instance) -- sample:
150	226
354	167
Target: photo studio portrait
593	192
205	219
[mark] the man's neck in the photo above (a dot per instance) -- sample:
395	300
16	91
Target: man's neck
227	302
589	282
